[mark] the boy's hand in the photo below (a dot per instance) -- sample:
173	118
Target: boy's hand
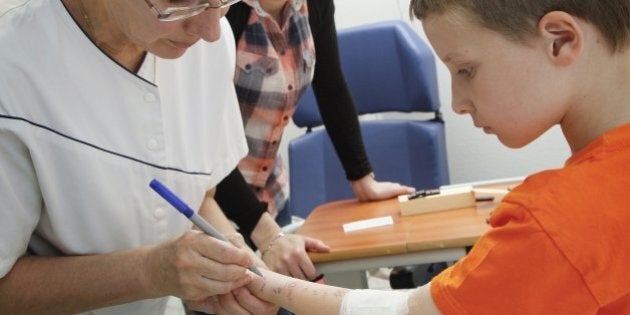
239	301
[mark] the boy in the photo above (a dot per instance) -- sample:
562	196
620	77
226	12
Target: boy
560	242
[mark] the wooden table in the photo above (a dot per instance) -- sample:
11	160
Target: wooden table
416	239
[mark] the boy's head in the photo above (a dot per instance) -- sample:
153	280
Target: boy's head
519	67
517	19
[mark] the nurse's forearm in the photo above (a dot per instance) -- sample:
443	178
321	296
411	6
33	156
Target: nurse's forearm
211	212
55	285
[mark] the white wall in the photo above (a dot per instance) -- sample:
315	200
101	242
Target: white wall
472	155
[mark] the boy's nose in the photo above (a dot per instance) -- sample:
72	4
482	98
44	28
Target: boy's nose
461	104
461	108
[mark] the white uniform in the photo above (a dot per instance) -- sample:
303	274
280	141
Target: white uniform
81	138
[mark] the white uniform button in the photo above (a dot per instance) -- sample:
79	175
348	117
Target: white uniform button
160	228
159	213
149	97
152	144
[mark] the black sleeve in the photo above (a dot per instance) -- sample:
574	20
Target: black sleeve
333	96
239	203
237	16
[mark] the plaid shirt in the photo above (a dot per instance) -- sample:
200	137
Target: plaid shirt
274	68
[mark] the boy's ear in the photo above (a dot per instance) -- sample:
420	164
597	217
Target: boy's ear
563	37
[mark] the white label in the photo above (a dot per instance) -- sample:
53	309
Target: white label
368	224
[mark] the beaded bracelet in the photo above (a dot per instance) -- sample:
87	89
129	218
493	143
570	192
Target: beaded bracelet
270	245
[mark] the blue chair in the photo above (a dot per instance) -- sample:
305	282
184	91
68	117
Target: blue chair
389	68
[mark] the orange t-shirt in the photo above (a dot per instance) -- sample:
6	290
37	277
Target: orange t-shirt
560	242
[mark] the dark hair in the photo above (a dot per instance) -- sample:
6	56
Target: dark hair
517	19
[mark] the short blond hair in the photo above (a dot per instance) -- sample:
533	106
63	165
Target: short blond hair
517	19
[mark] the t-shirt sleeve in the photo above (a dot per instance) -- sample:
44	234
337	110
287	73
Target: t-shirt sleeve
515	268
20	200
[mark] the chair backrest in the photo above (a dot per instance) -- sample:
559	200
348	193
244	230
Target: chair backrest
388	68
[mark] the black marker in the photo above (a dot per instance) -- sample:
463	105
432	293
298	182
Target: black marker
424	193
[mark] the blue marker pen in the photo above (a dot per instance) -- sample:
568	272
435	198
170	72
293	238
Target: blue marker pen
182	207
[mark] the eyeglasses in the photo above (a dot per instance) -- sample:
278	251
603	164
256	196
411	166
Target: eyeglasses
175	10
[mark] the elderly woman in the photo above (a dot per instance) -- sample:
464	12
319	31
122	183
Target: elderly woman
93	105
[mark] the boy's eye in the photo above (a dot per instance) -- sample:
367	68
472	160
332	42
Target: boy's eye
466	72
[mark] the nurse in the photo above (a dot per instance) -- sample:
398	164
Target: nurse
97	98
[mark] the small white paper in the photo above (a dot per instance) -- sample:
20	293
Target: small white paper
368	224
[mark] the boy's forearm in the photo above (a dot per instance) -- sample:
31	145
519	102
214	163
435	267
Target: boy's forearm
303	297
298	296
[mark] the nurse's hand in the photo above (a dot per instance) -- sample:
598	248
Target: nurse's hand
196	266
368	189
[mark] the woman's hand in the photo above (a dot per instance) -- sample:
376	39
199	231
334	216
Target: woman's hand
196	266
287	254
368	189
